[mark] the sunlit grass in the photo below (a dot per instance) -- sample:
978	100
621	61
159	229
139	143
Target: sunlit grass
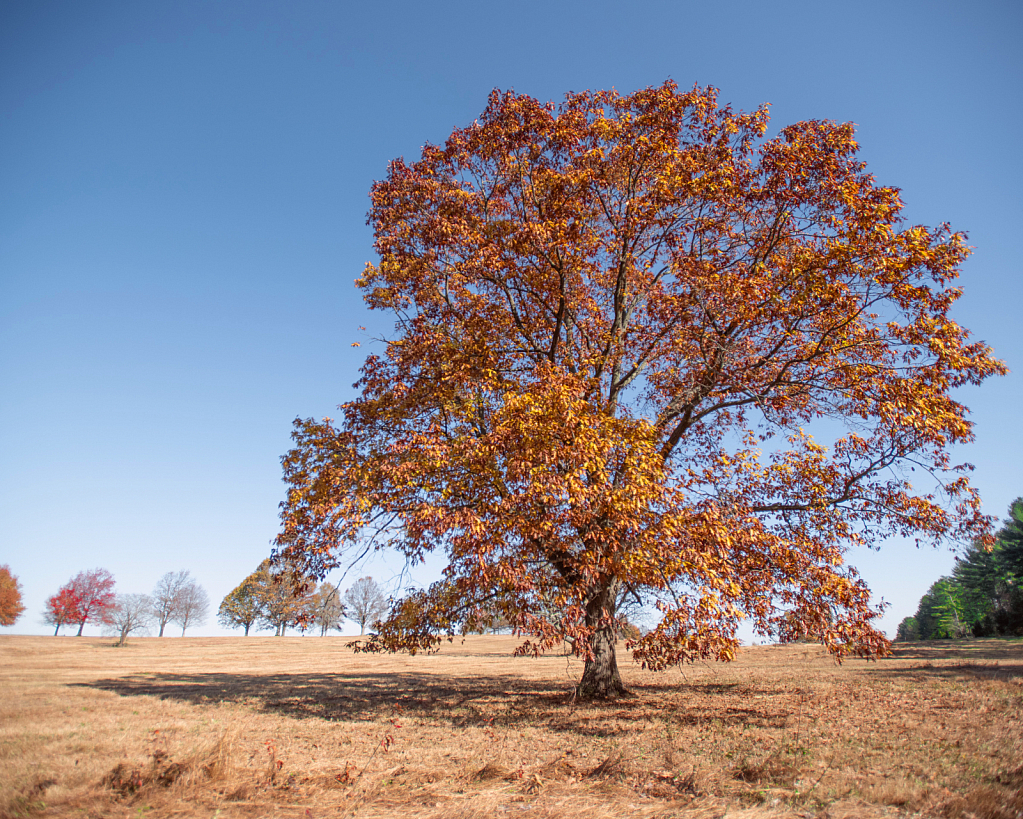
258	726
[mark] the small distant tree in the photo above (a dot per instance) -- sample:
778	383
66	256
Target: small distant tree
326	609
365	603
242	606
269	599
926	616
285	597
61	608
166	597
193	606
87	598
10	597
497	624
131	614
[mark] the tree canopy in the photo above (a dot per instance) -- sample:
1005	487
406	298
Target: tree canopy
61	609
326	610
365	602
269	599
242	606
620	321
88	597
11	606
192	606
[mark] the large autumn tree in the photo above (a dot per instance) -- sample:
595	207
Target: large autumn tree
641	349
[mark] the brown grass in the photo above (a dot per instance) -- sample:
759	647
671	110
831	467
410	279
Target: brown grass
236	727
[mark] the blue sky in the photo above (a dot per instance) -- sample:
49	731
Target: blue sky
184	189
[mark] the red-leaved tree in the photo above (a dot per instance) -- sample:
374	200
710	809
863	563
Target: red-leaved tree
88	597
61	608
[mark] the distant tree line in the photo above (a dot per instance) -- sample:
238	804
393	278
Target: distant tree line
89	597
268	599
984	595
276	599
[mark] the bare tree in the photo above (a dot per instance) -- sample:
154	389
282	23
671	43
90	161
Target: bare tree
132	613
165	597
326	608
193	606
365	603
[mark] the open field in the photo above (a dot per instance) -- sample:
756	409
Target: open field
246	727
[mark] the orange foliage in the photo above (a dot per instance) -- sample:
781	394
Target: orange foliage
618	321
11	606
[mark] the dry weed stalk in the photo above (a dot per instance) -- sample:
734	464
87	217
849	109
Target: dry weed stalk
207	763
384	744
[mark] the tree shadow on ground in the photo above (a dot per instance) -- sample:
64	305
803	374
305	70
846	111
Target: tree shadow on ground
971	650
961	670
493	700
990	659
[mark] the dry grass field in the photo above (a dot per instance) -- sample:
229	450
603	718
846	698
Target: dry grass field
247	727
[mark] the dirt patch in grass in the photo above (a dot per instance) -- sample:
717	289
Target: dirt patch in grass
237	727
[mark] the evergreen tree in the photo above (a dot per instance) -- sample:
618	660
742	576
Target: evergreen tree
978	580
949	609
1010	538
984	595
909	630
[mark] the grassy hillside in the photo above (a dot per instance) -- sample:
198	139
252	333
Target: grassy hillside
259	726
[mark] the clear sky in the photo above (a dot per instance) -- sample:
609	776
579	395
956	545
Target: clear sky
183	189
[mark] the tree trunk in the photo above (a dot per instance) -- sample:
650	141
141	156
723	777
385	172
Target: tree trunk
601	679
162	624
247	629
56	631
80	627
